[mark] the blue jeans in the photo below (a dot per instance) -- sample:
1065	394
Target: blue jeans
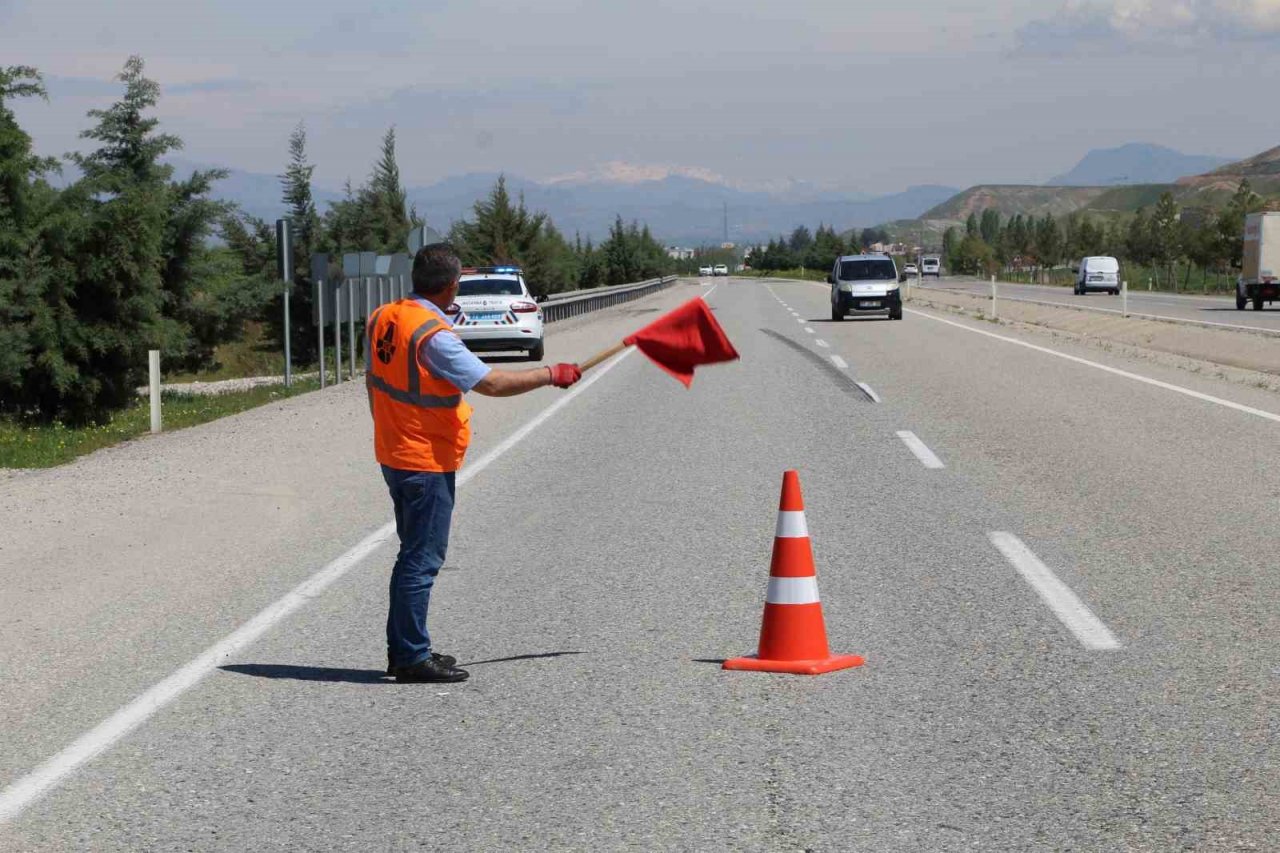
424	507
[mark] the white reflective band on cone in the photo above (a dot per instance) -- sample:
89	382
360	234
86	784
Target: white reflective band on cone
791	525
792	591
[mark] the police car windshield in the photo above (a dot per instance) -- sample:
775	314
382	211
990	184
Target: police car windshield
867	271
489	287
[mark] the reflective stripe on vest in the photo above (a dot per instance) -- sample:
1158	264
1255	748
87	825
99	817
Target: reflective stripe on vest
413	395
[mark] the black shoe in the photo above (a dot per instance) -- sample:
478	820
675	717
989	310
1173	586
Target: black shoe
446	660
430	671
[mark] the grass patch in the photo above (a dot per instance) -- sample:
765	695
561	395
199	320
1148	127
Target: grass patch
254	354
27	446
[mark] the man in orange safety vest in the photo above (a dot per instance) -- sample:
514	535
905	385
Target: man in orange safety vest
417	374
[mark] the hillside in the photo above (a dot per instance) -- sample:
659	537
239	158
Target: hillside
1261	170
1133	164
1014	199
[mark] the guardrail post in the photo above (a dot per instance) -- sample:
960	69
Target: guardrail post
319	289
153	368
337	333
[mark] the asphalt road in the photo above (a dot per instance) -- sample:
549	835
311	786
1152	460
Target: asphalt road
603	564
1217	310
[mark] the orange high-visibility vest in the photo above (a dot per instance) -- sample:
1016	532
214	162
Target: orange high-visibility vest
420	423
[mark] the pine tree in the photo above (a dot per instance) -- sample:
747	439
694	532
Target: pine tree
23	268
385	201
306	238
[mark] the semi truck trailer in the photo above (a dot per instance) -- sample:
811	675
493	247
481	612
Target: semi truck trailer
1259	281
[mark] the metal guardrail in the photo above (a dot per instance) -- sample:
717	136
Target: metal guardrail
583	302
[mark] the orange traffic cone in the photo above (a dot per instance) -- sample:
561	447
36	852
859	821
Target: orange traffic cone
793	637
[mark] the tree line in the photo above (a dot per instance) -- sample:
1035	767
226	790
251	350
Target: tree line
1161	238
812	250
128	257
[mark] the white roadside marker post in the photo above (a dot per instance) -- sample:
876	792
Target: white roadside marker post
153	365
1124	299
993	297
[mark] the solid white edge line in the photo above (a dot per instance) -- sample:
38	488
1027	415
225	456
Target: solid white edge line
869	391
792	591
927	457
1065	604
791	525
19	794
839	362
1168	386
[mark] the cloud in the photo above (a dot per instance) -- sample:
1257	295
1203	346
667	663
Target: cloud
1079	25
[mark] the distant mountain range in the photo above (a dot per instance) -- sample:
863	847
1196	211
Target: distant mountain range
1208	189
1135	163
679	207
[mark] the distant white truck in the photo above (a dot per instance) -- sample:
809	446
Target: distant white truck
1259	282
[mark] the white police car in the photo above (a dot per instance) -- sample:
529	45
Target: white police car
494	311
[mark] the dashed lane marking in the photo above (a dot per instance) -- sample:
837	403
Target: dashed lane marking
1064	603
839	362
820	342
927	457
869	391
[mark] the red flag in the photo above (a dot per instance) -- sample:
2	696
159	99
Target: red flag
683	339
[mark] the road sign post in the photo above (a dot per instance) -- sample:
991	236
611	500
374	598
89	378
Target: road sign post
284	261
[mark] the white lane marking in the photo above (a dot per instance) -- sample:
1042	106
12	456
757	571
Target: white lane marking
927	457
810	331
839	362
1168	386
1076	306
711	291
1064	603
792	591
799	319
820	342
791	525
21	793
869	391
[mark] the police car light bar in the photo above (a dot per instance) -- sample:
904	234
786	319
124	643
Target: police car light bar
489	270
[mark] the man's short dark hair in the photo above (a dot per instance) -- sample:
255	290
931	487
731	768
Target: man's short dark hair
435	268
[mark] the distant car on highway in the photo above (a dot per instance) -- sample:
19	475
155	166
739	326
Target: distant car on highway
1098	273
721	269
865	284
704	271
495	311
931	266
910	269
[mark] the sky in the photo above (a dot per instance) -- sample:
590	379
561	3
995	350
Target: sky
833	93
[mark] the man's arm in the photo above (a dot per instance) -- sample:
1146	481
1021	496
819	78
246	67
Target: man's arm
508	383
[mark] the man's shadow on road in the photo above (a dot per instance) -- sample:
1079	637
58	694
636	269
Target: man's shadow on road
353	676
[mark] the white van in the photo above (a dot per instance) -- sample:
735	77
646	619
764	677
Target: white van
931	265
1098	273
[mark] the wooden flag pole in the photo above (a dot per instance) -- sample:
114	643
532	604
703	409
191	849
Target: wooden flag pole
601	356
